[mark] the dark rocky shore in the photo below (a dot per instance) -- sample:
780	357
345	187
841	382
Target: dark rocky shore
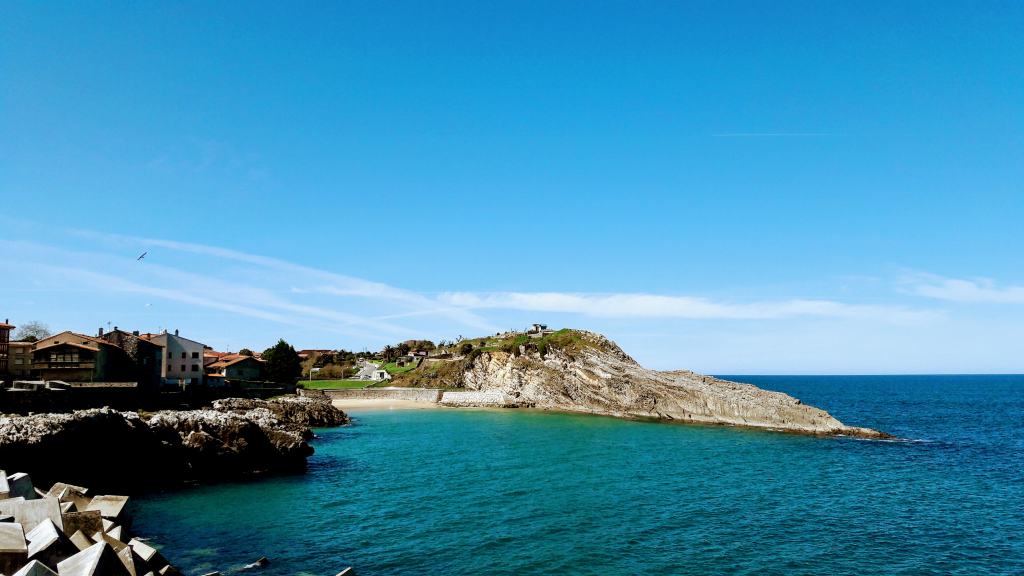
68	531
132	452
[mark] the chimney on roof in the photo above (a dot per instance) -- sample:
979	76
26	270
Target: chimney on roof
101	332
175	331
115	328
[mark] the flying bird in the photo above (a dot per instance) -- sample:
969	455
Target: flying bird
143	255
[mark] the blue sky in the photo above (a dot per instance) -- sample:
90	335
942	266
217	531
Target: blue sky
745	187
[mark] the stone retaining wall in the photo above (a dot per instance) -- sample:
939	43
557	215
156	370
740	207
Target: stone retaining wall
481	398
464	398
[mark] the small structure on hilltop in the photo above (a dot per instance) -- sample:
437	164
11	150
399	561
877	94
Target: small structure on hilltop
539	331
380	375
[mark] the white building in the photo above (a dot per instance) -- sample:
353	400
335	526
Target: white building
182	358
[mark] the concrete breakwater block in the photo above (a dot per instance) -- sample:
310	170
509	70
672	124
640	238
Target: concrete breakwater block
84	522
64	531
5	487
79	498
114	543
47	544
31	512
21	485
108	506
59	490
96	560
81	541
35	568
13	547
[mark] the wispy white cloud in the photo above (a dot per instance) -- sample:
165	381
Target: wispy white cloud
292	294
962	290
688	307
316	281
100	273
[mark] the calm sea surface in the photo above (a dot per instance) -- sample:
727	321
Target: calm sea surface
520	492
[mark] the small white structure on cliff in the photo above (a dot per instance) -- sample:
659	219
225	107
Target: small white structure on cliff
539	330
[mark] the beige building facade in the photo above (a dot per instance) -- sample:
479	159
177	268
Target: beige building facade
182	358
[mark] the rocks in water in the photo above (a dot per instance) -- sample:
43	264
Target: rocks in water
262	562
44	536
122	451
294	411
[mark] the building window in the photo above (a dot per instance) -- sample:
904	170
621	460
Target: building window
195	367
182	355
182	367
19	361
169	367
65	357
195	354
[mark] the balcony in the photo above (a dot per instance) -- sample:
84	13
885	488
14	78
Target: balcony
64	365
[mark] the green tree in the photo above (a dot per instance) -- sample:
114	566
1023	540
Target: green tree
245	352
283	363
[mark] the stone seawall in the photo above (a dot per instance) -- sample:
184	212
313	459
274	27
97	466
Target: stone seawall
466	398
410	394
481	398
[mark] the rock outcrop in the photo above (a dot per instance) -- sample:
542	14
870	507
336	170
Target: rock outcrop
129	452
296	413
578	371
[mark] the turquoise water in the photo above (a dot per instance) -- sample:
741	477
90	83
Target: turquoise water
518	492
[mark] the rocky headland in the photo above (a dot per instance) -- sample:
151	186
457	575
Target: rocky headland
133	452
578	371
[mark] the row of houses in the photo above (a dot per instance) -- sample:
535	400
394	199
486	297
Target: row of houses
152	360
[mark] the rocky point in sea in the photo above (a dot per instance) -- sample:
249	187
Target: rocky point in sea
579	371
134	451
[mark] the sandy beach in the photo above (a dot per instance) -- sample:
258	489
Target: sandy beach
372	404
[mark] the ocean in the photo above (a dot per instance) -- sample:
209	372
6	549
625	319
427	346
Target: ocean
524	492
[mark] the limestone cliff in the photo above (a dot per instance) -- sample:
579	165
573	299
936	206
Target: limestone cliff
584	372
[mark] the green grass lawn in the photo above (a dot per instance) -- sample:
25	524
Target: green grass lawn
324	384
393	368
